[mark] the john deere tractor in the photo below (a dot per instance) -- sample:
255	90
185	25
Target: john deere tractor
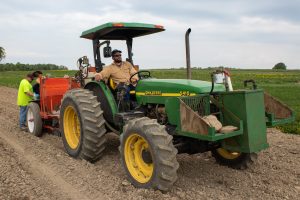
162	117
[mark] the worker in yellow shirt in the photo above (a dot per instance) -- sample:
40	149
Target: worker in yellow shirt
25	94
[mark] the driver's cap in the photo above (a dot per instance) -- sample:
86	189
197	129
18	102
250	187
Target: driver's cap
115	51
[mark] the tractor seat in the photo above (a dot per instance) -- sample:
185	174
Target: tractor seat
112	85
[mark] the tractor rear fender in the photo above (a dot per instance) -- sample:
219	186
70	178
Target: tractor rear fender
106	98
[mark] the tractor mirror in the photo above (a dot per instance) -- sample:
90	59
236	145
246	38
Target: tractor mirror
107	52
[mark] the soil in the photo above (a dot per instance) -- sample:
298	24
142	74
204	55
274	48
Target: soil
39	168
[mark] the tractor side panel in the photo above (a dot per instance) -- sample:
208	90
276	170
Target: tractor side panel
249	107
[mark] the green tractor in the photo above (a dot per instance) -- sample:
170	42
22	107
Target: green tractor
164	117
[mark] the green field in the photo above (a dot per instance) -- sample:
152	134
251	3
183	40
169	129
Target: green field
285	85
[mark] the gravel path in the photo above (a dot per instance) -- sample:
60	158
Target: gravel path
39	168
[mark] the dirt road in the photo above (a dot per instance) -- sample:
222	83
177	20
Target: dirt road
39	168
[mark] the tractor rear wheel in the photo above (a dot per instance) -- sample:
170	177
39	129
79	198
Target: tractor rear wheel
236	160
82	125
148	155
34	120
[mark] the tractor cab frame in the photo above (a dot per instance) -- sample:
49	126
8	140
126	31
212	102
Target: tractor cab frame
117	31
102	36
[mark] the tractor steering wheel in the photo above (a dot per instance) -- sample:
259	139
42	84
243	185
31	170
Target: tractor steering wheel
141	74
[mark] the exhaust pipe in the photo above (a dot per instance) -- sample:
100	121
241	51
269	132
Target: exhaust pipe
187	51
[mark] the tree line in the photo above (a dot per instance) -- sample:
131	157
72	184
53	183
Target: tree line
25	67
32	67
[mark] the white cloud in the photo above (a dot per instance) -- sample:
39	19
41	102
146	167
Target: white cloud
223	33
257	24
30	54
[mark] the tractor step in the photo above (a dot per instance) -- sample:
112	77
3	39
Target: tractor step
122	118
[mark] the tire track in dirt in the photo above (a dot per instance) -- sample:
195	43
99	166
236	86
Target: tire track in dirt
38	170
16	182
68	175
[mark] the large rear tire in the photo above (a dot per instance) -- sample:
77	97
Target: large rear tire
82	125
235	160
34	120
148	155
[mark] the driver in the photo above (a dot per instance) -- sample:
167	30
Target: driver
119	71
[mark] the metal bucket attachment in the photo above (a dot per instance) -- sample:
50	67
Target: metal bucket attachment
197	121
277	112
191	121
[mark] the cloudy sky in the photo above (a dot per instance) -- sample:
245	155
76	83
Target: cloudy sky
232	33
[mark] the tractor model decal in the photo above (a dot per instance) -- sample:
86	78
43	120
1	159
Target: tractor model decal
159	93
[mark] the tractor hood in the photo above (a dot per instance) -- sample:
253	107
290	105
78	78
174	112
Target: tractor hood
174	87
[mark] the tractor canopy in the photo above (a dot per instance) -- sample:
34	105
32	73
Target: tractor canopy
120	31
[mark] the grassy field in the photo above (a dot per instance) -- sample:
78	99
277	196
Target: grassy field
284	85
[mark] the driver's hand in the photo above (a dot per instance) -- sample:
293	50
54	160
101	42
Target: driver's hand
134	82
135	79
98	77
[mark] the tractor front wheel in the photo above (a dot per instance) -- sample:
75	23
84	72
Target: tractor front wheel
34	120
82	125
236	160
148	154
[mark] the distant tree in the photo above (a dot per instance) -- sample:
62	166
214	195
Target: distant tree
2	53
280	66
25	67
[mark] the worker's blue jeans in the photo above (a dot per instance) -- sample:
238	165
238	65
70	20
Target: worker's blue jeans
23	112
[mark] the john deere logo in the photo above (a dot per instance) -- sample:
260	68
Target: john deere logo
156	93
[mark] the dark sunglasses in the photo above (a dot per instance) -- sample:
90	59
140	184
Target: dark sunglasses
119	55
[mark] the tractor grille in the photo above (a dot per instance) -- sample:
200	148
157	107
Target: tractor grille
199	104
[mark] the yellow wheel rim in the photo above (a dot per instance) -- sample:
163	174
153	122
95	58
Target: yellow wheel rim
71	127
138	166
228	154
